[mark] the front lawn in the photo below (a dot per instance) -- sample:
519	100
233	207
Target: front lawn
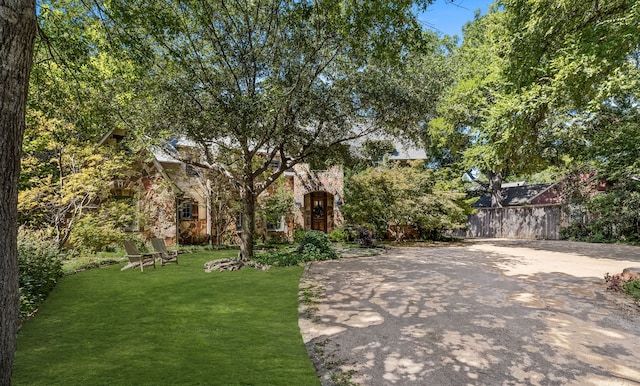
172	325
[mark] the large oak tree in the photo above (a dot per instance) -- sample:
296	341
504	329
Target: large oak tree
17	33
253	82
537	84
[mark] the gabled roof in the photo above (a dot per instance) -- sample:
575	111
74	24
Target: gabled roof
515	194
519	193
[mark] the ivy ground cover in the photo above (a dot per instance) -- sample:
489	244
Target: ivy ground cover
167	326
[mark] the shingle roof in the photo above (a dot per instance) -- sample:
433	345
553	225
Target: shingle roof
514	195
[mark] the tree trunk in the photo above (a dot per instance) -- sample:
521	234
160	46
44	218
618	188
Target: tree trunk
495	188
208	196
17	32
248	223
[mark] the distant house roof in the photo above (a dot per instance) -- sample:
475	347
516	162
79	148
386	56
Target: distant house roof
404	150
407	152
515	194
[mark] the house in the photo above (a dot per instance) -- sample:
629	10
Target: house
536	211
186	205
520	193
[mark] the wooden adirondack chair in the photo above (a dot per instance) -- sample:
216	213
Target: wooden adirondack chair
138	258
161	248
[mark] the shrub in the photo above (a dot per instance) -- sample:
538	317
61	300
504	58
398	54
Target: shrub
279	258
343	233
298	234
399	201
314	246
365	238
607	217
618	284
338	235
97	230
632	287
40	267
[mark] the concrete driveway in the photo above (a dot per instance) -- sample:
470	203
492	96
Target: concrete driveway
486	312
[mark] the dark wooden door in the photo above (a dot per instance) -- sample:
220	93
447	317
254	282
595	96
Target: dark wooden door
319	211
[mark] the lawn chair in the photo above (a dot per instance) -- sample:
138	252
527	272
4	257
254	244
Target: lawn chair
138	258
167	256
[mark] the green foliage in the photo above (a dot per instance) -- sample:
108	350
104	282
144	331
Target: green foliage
96	230
343	233
298	234
78	77
401	201
63	176
278	203
618	284
632	287
316	245
313	246
540	83
39	267
608	217
376	150
279	258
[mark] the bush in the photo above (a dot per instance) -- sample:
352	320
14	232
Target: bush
632	287
279	258
607	217
343	233
96	231
314	246
618	284
365	238
404	202
298	234
338	235
40	267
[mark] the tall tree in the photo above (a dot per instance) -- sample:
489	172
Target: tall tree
466	135
531	76
581	61
252	82
17	33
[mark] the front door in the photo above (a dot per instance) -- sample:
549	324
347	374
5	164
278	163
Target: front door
319	211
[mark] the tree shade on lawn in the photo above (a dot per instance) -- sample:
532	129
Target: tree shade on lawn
172	325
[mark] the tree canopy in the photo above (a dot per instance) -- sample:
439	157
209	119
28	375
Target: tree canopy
530	78
405	202
254	82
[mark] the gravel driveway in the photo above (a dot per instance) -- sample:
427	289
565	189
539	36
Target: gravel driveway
487	312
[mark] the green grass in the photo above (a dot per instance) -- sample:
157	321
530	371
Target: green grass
173	325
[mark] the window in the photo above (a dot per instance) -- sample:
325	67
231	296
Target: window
274	165
277	226
186	211
191	171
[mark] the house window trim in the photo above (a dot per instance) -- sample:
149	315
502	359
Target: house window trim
186	207
280	228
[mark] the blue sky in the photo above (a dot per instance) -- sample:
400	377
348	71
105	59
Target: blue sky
448	16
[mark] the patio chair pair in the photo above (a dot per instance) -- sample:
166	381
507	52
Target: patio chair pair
143	259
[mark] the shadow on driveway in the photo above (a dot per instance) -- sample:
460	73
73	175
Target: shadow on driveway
463	315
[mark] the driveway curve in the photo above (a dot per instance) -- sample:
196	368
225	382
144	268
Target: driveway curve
484	312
